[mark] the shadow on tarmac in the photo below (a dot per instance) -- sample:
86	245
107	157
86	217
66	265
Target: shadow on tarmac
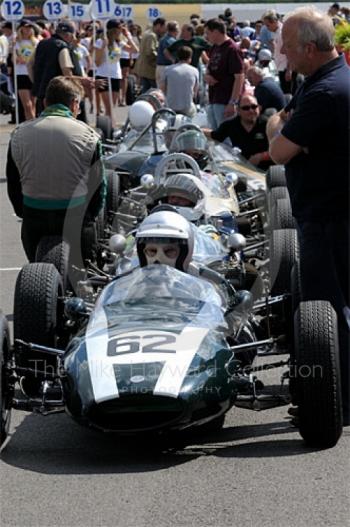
57	445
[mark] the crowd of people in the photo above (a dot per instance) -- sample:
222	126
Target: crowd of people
238	72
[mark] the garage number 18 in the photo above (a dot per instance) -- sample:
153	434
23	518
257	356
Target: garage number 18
145	344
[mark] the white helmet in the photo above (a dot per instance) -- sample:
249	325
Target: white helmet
167	238
140	114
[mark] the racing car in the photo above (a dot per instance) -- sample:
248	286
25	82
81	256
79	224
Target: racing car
164	348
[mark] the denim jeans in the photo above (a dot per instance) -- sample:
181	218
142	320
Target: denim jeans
215	115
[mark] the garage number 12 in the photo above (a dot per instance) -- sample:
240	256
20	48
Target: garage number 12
145	344
12	9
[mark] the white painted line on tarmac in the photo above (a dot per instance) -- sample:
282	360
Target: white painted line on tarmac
10	268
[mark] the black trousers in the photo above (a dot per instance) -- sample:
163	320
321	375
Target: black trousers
325	268
71	224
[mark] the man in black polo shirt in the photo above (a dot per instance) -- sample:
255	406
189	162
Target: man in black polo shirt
247	132
312	139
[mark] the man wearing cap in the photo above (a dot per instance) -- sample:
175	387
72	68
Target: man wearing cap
54	57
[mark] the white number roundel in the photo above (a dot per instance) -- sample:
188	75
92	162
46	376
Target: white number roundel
53	9
12	9
77	12
102	8
153	12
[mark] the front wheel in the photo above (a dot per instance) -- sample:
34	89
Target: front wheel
36	319
317	373
6	390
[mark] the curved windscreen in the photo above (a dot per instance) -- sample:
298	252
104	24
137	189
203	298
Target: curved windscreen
159	294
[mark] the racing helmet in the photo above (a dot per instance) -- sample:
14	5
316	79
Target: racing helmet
264	55
184	192
140	114
193	143
183	186
165	237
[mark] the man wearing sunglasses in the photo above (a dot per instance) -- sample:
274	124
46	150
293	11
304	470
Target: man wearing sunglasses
247	131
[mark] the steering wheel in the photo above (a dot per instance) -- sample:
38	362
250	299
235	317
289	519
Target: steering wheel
174	164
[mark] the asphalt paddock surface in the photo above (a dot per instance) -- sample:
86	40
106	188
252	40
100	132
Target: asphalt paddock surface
256	471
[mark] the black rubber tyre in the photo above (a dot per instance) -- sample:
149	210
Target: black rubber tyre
281	217
276	177
284	251
104	123
36	316
318	373
6	391
89	241
296	286
275	194
130	96
54	250
113	192
100	224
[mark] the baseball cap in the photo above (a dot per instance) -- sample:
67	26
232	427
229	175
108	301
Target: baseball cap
65	27
265	54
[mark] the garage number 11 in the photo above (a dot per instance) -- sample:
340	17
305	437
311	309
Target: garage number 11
145	344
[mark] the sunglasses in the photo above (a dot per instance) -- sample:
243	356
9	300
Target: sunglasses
249	107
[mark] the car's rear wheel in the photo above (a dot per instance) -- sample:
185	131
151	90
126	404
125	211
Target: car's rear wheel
275	194
55	251
113	192
317	373
6	390
276	177
281	216
284	251
36	318
104	123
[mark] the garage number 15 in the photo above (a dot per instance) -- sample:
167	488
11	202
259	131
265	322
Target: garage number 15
145	344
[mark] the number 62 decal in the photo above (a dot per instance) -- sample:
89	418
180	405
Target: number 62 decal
145	344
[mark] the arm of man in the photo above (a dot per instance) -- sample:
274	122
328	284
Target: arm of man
312	118
151	47
237	88
220	134
281	149
65	62
170	52
163	82
204	57
14	187
97	184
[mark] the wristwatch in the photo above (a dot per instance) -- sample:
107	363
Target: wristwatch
233	102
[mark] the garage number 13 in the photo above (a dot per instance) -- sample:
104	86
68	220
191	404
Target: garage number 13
53	9
145	344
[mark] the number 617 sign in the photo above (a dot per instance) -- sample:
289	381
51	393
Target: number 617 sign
12	9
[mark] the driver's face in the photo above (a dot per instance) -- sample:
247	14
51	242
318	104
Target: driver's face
162	253
179	201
